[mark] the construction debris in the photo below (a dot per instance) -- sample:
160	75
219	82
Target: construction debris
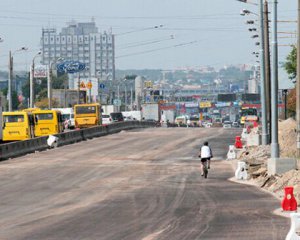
256	158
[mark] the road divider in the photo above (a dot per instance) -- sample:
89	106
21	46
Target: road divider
241	171
294	233
15	149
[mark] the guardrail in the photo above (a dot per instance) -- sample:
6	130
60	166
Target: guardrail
15	149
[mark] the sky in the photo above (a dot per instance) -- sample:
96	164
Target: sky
150	34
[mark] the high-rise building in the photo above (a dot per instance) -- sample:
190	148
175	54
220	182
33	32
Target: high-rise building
81	42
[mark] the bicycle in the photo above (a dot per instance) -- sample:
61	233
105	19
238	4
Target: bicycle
205	168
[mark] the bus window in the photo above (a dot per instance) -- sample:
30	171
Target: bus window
13	118
44	116
86	110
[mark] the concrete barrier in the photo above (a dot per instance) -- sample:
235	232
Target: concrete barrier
253	139
15	149
281	165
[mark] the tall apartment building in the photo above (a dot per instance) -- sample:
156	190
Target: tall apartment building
81	42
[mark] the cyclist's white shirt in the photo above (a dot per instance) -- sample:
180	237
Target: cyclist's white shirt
205	152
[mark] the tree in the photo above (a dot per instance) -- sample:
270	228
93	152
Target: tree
291	63
291	102
291	68
43	103
40	86
14	98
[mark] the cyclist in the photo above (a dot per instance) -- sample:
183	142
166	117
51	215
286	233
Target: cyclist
205	155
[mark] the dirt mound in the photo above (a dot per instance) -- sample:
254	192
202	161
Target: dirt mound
287	137
256	159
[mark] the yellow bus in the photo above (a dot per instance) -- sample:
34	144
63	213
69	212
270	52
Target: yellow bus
17	126
47	122
87	115
247	113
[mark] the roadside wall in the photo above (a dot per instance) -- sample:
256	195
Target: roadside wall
15	149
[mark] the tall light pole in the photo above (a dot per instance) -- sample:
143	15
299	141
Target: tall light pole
264	134
261	43
10	76
274	85
31	104
298	84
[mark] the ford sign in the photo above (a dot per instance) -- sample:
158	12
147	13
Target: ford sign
70	67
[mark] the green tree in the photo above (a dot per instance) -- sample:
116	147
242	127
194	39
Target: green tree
40	86
291	68
14	98
291	63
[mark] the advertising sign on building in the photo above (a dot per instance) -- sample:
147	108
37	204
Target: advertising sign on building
205	104
70	67
40	71
191	105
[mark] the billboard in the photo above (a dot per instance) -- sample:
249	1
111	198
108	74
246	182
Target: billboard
251	97
228	97
40	71
205	104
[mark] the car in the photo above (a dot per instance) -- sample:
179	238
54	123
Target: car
128	118
227	124
117	117
235	124
106	119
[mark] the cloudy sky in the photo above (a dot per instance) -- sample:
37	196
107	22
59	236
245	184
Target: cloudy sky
190	33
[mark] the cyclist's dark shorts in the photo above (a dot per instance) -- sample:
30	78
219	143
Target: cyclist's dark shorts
204	159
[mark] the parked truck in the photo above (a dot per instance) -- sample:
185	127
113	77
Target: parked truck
151	111
168	116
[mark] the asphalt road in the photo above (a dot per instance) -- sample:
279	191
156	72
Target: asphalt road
136	185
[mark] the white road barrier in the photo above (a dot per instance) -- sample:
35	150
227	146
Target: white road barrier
244	133
231	153
294	233
52	141
241	172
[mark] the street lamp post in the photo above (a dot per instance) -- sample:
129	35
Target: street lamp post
10	77
31	105
262	75
261	43
298	84
274	85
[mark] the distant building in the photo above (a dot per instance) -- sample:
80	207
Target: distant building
81	42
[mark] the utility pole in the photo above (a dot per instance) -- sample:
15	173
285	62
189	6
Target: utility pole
49	85
285	93
262	76
267	69
298	83
131	96
78	89
90	91
274	87
10	79
125	97
118	97
32	85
